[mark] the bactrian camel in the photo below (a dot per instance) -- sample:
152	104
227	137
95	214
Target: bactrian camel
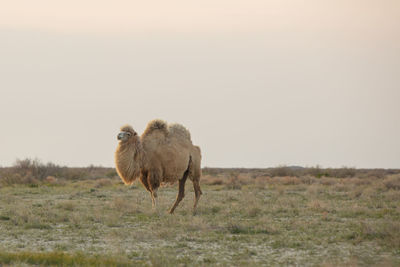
163	154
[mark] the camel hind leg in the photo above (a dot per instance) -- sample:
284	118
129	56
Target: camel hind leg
195	174
197	193
181	192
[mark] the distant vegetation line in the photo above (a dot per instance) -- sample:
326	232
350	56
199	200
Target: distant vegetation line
33	171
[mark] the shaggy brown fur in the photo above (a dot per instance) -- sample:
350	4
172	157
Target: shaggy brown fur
162	154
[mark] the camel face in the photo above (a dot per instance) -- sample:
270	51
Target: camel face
126	133
124	136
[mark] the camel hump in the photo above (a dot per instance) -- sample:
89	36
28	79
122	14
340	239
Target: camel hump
156	125
173	130
178	130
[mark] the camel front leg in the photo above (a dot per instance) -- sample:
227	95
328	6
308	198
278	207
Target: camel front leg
145	181
153	183
154	198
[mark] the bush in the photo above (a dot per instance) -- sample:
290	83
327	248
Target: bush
282	171
111	174
290	180
234	182
36	169
103	182
392	182
28	171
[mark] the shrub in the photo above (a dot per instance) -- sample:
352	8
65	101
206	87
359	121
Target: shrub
210	180
75	173
328	181
111	173
282	171
290	180
10	178
392	182
234	182
36	169
344	172
103	182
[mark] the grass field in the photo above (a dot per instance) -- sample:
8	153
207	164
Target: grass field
242	220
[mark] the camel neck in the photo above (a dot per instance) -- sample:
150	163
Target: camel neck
128	160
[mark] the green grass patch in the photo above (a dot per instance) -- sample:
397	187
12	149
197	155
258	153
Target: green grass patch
4	218
60	259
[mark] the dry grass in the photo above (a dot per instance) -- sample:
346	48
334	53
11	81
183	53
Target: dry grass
244	218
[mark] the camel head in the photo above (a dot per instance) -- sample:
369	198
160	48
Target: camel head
127	134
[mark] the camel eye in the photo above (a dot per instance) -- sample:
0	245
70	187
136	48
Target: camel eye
129	134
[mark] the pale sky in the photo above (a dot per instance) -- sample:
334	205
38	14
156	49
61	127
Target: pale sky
258	83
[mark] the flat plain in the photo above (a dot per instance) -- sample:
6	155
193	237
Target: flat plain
243	219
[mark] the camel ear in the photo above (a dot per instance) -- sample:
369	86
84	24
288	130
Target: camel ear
134	133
